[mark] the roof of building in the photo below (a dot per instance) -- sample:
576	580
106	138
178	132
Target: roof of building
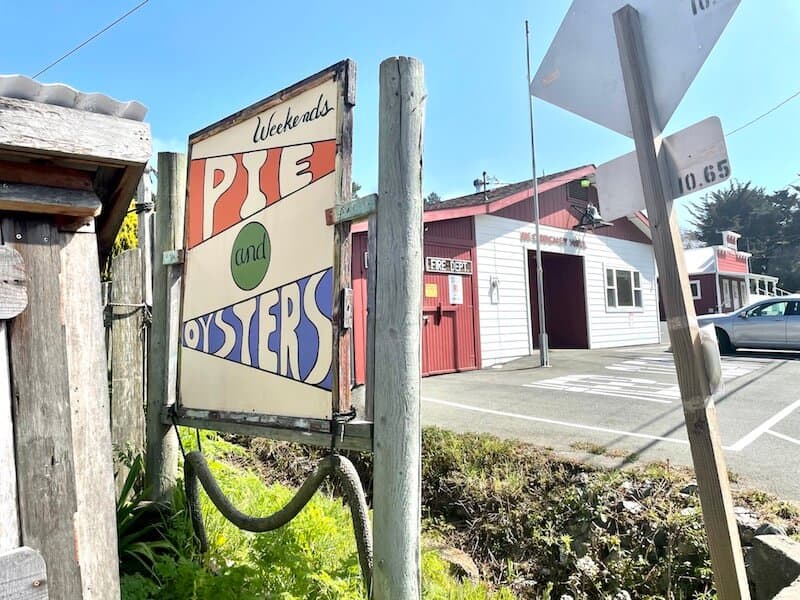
60	94
545	183
700	260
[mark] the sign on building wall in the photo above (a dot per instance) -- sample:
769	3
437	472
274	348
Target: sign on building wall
262	272
434	264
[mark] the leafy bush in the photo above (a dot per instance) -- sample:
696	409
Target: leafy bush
314	556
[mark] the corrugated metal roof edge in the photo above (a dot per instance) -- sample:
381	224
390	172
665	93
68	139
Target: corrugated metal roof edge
22	87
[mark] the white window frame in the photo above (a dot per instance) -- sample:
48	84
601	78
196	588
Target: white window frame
634	288
697	294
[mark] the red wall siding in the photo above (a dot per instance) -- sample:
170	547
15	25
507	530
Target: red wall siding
729	262
708	292
451	341
555	211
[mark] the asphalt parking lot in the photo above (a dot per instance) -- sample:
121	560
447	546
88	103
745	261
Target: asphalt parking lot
627	401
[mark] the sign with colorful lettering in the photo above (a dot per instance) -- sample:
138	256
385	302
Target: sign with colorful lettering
260	330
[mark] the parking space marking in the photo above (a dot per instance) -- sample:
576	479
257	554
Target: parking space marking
783	437
633	388
501	413
764	427
664	365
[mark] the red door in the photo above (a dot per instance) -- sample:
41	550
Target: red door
439	341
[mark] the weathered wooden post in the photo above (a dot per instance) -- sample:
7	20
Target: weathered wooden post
684	335
162	368
67	176
398	355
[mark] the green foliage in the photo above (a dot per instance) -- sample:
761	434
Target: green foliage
140	532
433	198
769	224
313	557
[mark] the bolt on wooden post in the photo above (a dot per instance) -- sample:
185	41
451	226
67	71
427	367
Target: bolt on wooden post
398	356
698	402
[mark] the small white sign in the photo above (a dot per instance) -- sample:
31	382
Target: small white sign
696	159
581	72
456	285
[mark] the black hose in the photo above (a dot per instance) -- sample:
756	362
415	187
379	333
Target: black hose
196	472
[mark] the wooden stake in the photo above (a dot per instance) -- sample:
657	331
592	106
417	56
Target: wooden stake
398	355
698	403
9	525
162	445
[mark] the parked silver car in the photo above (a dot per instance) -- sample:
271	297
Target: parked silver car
773	323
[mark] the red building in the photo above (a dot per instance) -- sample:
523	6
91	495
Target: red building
480	302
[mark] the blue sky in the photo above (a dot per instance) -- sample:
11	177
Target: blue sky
194	62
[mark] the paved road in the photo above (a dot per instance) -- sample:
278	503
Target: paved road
627	401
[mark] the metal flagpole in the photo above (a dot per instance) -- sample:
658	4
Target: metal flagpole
544	350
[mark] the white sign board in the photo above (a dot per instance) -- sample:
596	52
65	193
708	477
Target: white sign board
456	285
581	72
696	159
260	279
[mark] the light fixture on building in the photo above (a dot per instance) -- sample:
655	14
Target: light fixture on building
589	217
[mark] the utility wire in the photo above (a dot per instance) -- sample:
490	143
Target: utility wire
770	111
95	36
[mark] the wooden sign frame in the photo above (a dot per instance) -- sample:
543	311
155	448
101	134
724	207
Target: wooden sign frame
314	427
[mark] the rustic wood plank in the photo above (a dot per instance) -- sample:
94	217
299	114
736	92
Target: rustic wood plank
355	210
162	447
119	187
342	242
9	523
46	174
50	130
398	324
698	402
22	197
42	415
127	351
23	575
13	283
372	277
95	522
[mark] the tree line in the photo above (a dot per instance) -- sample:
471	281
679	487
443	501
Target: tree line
769	224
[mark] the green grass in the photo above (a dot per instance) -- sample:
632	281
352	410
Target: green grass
314	556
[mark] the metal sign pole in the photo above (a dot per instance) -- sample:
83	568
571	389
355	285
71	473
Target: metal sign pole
544	350
693	372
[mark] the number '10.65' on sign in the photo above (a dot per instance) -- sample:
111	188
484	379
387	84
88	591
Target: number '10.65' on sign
691	181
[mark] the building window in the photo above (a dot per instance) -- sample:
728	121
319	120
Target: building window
695	285
623	288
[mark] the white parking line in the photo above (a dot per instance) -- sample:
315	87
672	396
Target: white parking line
785	438
764	427
603	385
501	413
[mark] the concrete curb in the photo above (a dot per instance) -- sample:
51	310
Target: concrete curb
773	568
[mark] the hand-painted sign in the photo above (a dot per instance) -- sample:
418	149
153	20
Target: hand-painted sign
262	273
435	264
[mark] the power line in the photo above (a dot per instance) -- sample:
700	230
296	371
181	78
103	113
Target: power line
770	111
95	36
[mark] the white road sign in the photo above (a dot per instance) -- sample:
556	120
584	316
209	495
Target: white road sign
581	71
696	158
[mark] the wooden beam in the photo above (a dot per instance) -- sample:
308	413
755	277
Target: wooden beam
94	524
398	320
696	394
42	411
45	174
22	197
23	575
13	283
9	524
117	189
351	211
127	356
162	446
50	130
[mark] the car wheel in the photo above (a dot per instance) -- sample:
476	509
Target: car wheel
725	346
